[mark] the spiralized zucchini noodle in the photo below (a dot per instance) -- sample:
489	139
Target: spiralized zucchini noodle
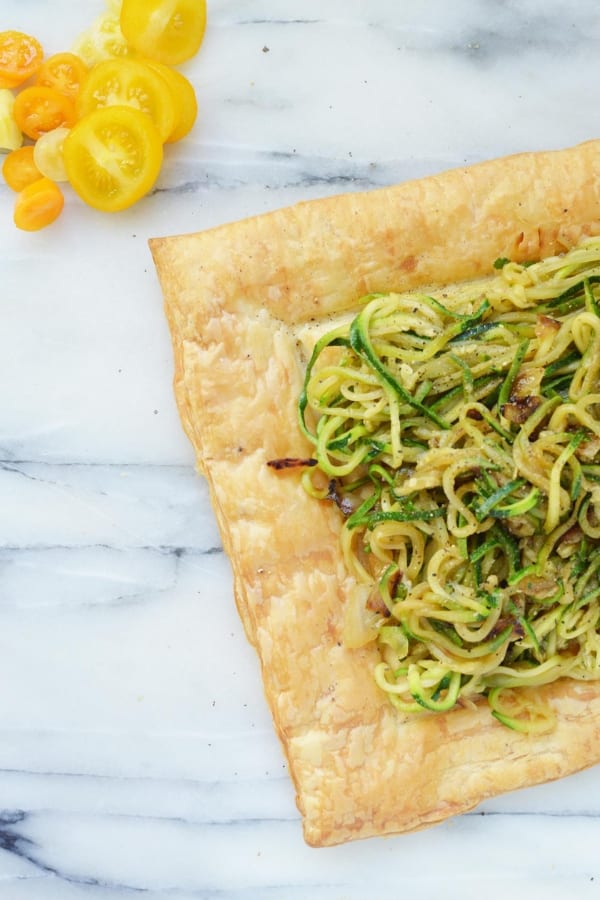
459	436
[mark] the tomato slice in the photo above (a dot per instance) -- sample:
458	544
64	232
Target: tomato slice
48	154
10	133
64	72
113	157
19	168
128	82
170	31
102	40
40	109
20	58
184	99
38	205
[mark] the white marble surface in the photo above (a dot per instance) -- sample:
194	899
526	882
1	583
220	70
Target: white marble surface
137	756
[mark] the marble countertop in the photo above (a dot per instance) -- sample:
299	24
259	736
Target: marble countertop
137	756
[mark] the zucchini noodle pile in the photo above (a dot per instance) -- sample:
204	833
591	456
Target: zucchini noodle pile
459	435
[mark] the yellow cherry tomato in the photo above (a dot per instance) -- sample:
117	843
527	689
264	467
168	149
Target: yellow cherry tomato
170	31
102	40
19	168
11	137
128	82
184	99
48	154
38	205
113	157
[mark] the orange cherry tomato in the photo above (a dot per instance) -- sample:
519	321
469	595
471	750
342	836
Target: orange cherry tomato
39	109
64	72
113	157
20	58
170	31
38	205
128	82
19	168
184	99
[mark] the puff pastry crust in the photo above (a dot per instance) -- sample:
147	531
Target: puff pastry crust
240	299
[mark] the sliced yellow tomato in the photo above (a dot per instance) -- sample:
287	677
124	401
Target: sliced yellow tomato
184	99
38	205
10	134
48	154
19	168
64	72
113	157
170	31
128	82
102	40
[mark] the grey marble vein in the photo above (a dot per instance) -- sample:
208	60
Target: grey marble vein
123	506
280	170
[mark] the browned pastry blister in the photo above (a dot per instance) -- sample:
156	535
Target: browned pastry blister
240	300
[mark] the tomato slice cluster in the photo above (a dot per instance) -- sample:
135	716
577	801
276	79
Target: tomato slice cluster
98	116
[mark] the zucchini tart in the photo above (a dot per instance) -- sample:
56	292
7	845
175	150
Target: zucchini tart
395	399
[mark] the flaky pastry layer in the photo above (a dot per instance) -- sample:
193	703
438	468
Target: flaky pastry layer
240	300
